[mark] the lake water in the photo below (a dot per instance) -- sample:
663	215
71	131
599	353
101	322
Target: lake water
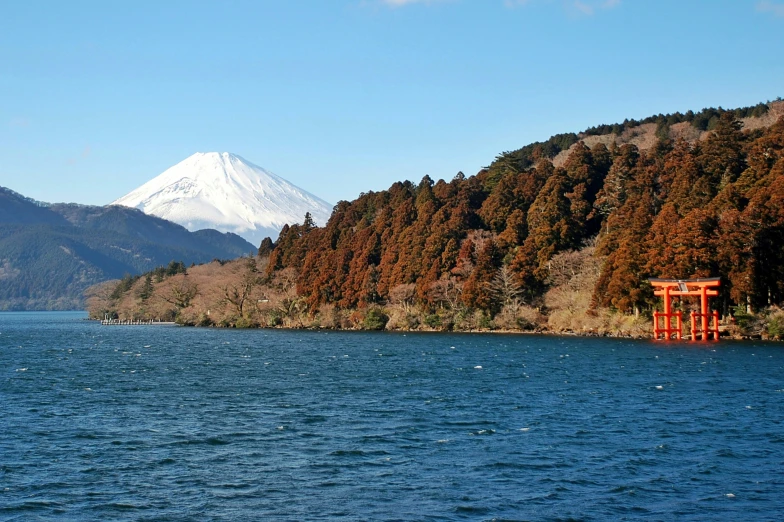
168	423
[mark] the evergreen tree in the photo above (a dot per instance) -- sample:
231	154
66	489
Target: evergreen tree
147	289
266	247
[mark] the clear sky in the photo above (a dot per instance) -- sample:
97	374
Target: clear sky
345	96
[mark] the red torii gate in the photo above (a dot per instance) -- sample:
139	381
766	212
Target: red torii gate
669	288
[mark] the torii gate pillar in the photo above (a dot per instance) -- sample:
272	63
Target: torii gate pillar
669	288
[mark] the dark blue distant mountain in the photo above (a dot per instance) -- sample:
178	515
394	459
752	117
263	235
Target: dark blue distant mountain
49	254
15	208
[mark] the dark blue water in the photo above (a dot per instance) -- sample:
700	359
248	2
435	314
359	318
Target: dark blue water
168	423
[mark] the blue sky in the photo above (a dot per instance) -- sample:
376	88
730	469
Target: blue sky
346	96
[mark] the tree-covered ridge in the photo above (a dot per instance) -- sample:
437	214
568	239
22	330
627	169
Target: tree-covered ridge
678	210
704	120
18	209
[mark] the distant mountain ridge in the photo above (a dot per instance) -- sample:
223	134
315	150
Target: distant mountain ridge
16	208
50	253
225	192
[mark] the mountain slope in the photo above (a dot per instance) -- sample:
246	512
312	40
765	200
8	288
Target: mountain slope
49	254
15	208
135	223
227	193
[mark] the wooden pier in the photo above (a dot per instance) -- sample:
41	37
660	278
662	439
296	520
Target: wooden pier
138	322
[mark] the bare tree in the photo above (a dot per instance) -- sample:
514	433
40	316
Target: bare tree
448	291
180	292
403	296
99	299
284	297
238	294
505	288
575	269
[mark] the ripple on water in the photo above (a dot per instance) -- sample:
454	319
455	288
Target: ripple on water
243	425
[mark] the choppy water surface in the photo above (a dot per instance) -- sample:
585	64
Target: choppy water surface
167	423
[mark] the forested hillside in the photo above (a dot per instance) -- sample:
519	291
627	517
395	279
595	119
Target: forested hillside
677	210
526	237
49	254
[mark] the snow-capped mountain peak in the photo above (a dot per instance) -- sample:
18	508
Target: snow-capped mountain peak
223	191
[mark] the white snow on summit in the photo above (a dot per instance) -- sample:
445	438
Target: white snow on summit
225	192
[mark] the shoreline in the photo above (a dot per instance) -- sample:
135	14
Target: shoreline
723	335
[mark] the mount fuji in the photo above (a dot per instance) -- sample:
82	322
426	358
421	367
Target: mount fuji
228	193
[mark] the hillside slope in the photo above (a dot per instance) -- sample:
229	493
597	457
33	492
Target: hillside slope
135	223
49	254
15	208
